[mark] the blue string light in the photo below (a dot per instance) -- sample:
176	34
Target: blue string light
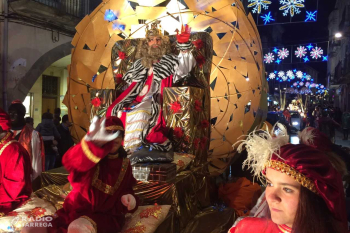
306	59
275	50
310	46
278	61
325	58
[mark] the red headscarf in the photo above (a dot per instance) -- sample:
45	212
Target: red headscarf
313	170
114	123
315	138
5	120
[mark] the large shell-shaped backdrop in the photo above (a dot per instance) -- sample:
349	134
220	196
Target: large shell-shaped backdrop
237	86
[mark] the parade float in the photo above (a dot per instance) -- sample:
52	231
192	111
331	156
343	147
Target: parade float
223	99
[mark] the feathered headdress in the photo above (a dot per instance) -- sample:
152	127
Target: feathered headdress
261	145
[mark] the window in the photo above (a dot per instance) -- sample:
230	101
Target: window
28	103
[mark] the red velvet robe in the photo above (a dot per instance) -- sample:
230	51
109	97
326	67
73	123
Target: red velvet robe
259	225
98	182
15	175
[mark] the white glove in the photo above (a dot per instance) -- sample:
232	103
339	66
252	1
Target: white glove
97	132
129	201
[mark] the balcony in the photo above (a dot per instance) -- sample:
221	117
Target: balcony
60	15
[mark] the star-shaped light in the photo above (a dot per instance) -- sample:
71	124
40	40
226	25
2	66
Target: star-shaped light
275	50
310	46
267	18
306	59
278	61
325	58
310	16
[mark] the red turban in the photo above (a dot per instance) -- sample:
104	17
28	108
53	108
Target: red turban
313	170
5	120
114	123
185	34
315	138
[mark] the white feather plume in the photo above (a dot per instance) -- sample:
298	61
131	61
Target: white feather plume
307	136
261	145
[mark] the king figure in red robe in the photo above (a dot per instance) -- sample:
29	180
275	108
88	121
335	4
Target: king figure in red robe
140	105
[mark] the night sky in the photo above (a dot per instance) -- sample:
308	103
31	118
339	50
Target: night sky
302	33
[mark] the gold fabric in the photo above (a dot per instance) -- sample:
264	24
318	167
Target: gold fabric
115	127
57	176
234	76
188	119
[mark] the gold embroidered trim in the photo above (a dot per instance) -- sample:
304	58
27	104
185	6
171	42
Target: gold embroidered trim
297	176
93	158
115	127
5	138
133	113
107	189
91	221
135	130
134	122
6	145
113	156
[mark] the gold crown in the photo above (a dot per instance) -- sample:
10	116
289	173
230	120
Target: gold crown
155	30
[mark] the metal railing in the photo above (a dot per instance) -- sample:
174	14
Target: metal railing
77	8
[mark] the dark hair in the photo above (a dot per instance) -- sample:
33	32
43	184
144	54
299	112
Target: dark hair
47	115
57	111
29	120
313	215
65	119
19	108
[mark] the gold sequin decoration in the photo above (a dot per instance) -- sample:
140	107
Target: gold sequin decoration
107	189
297	176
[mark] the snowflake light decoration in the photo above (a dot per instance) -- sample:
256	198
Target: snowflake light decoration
310	16
272	75
283	53
269	58
267	18
284	78
299	74
290	73
300	52
308	77
295	84
307	84
316	53
281	74
291	6
301	84
258	5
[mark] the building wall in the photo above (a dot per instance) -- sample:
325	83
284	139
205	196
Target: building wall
31	51
62	73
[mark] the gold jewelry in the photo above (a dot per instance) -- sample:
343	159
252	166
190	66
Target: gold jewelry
154	31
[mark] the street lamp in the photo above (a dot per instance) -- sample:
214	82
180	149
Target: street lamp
338	35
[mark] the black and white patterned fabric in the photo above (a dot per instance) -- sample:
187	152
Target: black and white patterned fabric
139	74
184	46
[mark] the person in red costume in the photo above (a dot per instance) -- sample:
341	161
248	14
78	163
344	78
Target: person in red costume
27	137
15	169
140	105
102	181
304	191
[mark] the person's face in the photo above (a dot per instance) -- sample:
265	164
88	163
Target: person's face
154	41
282	196
117	143
15	117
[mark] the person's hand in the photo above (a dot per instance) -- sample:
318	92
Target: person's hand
98	134
129	201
